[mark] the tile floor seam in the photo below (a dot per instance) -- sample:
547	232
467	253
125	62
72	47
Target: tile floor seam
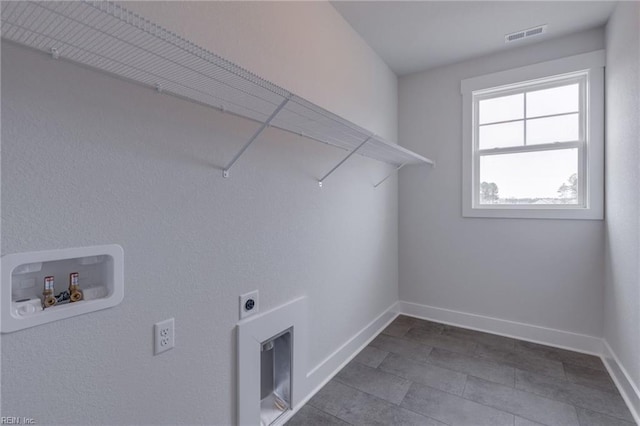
585	374
399	405
584	366
461	397
466	380
516	366
369	393
421	414
422	384
522	416
541	357
480	358
575	406
597	388
564	372
500	384
455	395
444	368
615	416
627	422
545	397
514	387
337	418
333	416
613	391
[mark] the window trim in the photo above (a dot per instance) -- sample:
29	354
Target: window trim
591	146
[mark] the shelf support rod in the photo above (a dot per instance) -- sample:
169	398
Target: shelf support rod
397	169
343	160
225	172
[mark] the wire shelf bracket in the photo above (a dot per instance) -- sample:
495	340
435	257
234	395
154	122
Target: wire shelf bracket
342	162
109	38
225	172
397	169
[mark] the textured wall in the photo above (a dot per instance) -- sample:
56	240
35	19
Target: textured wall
306	47
622	289
540	272
88	159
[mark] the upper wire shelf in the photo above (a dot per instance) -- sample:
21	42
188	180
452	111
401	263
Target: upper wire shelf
107	37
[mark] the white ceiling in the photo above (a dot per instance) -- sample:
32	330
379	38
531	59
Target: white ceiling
413	36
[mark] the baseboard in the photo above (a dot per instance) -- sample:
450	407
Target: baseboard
532	333
331	365
628	389
327	368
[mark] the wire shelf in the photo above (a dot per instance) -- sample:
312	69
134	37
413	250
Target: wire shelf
107	37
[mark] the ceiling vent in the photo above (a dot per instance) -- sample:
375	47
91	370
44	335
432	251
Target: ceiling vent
520	35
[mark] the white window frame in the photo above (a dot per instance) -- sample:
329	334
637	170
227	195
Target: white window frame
588	69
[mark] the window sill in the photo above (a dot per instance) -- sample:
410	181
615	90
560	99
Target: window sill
533	213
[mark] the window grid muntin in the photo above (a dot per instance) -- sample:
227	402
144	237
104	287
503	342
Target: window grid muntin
582	79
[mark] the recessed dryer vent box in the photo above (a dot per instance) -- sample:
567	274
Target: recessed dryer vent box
100	278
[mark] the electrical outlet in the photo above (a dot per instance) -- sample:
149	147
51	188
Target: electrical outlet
163	336
249	304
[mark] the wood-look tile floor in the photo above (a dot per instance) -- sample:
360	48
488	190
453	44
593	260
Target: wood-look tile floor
419	372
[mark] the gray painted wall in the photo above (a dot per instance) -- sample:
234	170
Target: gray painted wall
88	159
511	269
306	47
622	289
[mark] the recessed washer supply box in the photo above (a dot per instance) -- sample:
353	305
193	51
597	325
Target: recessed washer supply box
101	279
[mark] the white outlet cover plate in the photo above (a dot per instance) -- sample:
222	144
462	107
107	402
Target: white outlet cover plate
244	312
163	333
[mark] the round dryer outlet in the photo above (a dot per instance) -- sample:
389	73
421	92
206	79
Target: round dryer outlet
249	304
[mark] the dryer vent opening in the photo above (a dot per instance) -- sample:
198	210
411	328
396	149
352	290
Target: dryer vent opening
275	377
272	364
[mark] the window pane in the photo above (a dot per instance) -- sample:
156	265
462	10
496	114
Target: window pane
501	135
501	109
543	177
557	100
563	128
